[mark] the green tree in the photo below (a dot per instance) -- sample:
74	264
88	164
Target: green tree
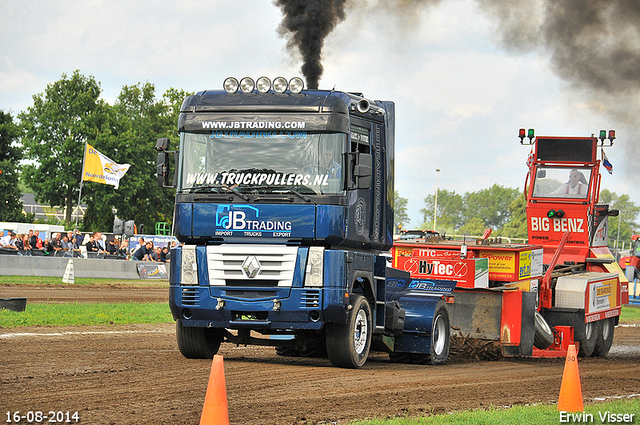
62	119
449	212
490	205
625	222
516	227
473	227
10	203
137	120
400	216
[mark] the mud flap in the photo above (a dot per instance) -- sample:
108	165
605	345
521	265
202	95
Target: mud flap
476	314
504	316
517	324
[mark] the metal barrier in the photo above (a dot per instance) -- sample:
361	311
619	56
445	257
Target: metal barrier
17	265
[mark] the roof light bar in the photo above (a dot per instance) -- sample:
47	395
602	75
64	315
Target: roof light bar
263	85
603	136
530	134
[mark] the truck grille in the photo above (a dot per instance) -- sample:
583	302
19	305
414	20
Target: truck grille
190	296
238	265
311	299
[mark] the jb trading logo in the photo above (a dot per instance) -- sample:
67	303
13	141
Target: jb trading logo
246	218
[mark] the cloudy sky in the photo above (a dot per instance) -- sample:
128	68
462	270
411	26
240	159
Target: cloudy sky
465	74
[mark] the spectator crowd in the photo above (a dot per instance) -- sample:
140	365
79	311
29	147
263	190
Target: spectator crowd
77	244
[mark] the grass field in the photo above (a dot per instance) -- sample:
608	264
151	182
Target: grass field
75	314
82	281
537	415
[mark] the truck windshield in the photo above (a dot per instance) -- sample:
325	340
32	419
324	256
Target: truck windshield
262	162
562	182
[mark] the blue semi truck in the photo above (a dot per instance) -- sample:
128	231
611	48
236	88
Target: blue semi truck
284	207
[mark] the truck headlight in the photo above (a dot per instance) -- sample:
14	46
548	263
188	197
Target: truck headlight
315	265
189	266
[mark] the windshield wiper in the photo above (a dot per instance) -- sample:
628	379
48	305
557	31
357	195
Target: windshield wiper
288	188
219	189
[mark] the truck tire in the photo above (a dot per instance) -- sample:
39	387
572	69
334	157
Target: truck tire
198	343
440	341
287	351
588	342
543	336
605	338
440	335
316	348
348	344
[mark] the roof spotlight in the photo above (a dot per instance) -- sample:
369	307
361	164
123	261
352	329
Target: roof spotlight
280	84
296	85
230	85
263	84
247	84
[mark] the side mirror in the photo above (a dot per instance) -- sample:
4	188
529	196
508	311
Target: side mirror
162	144
362	169
162	169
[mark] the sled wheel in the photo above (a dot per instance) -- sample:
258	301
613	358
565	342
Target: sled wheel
605	338
543	336
588	341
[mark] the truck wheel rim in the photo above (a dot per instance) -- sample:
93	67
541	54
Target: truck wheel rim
605	330
361	332
588	330
438	336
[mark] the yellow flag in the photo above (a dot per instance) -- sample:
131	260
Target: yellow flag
99	168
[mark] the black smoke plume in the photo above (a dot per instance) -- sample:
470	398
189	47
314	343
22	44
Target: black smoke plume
593	45
305	25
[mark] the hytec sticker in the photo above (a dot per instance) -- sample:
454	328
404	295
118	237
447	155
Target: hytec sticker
245	219
258	179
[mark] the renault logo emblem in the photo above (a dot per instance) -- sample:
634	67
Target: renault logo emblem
251	266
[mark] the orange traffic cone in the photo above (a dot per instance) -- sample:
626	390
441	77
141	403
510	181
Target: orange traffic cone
215	410
570	399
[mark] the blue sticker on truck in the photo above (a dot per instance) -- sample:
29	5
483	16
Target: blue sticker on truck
253	221
246	219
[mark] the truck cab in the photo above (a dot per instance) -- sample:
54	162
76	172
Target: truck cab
283	209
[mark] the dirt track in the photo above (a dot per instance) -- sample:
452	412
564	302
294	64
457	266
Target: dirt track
135	375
